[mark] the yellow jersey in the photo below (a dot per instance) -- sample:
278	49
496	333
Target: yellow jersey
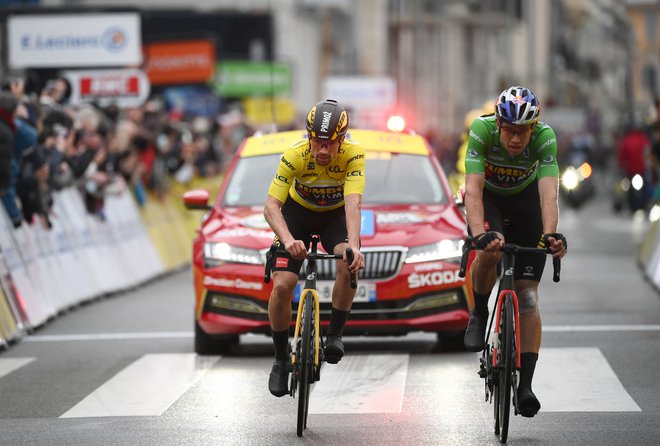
319	188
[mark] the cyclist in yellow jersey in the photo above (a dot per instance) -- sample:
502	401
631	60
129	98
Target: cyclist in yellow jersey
317	188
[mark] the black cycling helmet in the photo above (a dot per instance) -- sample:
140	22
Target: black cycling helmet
327	120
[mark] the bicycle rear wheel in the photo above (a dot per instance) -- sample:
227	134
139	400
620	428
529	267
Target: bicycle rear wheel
306	363
506	366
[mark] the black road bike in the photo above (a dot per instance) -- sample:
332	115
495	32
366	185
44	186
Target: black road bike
499	365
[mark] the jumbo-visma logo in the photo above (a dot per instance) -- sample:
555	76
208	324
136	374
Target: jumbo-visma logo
114	39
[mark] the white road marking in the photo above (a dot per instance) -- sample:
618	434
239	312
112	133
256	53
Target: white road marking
587	328
190	334
361	384
147	387
8	365
579	380
110	336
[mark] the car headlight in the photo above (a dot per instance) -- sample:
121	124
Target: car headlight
218	253
442	250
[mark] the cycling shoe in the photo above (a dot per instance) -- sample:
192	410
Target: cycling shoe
278	381
528	404
334	349
475	334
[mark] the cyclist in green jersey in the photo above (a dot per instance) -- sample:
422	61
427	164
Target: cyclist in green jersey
511	185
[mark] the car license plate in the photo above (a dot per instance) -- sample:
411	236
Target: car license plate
365	292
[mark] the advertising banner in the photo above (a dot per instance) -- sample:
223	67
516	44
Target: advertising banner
361	91
180	62
74	40
371	98
263	110
238	78
124	87
192	99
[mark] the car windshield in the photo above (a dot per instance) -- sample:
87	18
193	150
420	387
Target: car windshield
391	179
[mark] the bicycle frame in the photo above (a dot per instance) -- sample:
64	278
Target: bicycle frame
302	377
502	378
310	289
506	287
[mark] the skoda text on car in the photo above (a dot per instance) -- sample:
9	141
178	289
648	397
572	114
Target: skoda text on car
412	232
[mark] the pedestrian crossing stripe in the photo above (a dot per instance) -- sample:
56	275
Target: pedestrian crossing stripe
566	380
147	387
361	384
579	380
8	365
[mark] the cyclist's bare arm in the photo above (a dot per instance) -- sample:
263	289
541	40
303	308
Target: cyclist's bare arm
549	210
352	206
548	187
275	219
474	205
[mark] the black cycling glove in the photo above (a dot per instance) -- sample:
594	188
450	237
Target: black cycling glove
482	240
556	236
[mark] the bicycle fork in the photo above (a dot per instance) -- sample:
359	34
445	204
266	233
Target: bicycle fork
498	317
317	325
488	363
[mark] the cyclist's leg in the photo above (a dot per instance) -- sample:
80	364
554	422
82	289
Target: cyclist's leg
334	239
279	314
285	278
483	272
530	340
279	303
526	231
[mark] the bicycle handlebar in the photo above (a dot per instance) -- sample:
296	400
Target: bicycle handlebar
513	249
273	253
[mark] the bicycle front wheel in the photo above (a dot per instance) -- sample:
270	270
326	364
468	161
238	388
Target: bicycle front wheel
306	363
506	358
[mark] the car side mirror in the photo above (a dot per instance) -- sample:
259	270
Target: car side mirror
197	199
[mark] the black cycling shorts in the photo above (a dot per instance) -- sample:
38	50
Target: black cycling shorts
518	218
329	225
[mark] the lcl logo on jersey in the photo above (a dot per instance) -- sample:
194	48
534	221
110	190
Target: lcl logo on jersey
335	169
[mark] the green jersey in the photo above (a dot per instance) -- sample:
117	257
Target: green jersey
506	174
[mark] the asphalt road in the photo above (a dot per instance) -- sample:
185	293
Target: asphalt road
120	370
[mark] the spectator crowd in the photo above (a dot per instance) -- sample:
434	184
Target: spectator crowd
47	144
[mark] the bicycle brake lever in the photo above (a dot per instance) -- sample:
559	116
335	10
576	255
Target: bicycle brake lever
465	256
349	258
556	266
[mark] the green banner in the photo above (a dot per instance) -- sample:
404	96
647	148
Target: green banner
236	78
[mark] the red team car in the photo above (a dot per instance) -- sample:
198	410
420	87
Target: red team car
412	232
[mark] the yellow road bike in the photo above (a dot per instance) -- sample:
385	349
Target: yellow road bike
307	354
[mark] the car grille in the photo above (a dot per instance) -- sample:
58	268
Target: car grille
378	265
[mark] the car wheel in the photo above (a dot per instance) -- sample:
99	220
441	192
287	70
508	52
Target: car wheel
206	344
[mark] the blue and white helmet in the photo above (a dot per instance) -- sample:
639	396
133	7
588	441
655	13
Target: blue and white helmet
518	105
